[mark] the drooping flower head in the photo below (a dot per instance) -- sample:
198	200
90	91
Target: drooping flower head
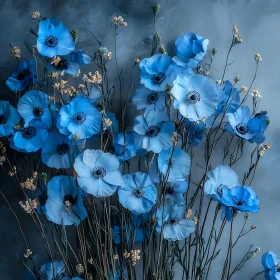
174	191
190	50
138	193
98	172
34	106
9	117
242	124
65	201
79	117
196	96
23	76
176	164
158	71
194	132
154	131
172	222
146	99
58	151
221	177
124	145
54	38
271	263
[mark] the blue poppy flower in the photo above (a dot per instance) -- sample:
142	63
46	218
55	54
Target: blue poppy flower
54	38
65	201
172	222
34	106
53	270
158	71
174	191
240	198
98	172
218	178
271	263
190	50
138	193
29	139
146	99
71	62
196	96
80	118
194	132
154	131
178	164
124	145
23	76
242	124
58	151
9	117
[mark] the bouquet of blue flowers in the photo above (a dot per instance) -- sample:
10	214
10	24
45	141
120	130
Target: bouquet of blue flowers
143	200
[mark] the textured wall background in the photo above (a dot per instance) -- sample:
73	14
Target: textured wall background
259	24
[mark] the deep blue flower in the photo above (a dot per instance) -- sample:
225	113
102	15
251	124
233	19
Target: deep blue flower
172	222
65	201
271	263
154	131
53	270
118	275
23	76
98	172
54	38
174	191
178	164
58	151
42	196
221	177
29	139
80	118
34	106
196	96
190	50
9	117
145	98
240	198
138	193
158	71
242	124
71	62
194	132
124	145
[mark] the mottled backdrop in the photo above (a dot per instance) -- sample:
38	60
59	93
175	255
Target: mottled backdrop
259	25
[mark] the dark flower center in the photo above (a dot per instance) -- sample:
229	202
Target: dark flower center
29	132
172	221
98	172
69	200
139	192
242	128
62	149
38	111
169	190
239	202
3	119
79	117
51	41
23	74
193	97
152	131
152	98
158	78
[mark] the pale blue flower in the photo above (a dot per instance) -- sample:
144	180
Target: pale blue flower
98	172
194	132
175	190
138	193
271	264
9	117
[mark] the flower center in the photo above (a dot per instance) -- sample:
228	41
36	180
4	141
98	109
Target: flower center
38	111
29	132
51	41
169	190
98	172
242	128
152	98
69	200
239	202
139	193
172	221
158	78
152	131
79	117
3	119
193	97
23	74
62	149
